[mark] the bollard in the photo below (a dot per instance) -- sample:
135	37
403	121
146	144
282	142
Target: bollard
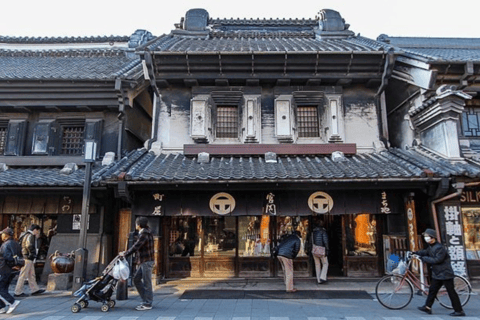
122	290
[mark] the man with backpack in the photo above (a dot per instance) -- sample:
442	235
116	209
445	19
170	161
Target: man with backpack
8	251
29	250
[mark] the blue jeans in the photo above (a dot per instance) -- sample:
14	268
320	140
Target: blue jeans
143	282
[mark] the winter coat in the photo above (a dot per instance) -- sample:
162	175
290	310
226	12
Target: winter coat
29	246
7	251
289	247
436	256
320	238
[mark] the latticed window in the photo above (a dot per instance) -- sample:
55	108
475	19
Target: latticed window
72	140
307	121
3	138
470	122
227	122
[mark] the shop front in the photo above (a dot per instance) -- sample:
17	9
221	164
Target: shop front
469	220
231	234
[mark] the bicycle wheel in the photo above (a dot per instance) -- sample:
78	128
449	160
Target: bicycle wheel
463	289
394	292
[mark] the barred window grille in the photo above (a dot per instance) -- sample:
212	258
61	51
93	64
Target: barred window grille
307	121
72	140
3	139
470	122
227	122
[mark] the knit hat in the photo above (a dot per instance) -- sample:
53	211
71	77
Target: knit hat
430	232
34	227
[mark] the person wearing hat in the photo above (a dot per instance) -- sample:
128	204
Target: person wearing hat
29	251
436	256
7	253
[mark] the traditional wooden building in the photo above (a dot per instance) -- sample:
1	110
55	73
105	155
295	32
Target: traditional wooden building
261	128
54	94
433	107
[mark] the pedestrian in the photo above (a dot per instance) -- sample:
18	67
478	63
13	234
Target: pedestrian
320	238
30	249
7	252
143	276
287	251
436	256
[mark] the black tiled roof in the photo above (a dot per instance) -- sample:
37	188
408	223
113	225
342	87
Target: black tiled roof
46	177
65	65
437	49
143	166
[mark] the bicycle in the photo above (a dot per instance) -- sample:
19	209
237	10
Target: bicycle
395	291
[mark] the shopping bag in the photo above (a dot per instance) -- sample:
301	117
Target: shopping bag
318	251
121	270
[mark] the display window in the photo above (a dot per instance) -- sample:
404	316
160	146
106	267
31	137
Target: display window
471	230
361	234
254	236
184	240
286	226
220	236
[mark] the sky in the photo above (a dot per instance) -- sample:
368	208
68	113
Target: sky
370	18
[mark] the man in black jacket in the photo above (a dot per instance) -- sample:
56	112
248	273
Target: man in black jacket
287	251
7	253
437	257
29	250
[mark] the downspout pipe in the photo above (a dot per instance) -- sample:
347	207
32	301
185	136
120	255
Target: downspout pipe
387	70
459	186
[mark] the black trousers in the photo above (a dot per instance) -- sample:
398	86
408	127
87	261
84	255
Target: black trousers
452	294
5	279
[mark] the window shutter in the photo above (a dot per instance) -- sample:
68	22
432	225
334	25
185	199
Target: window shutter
200	113
93	130
15	143
252	129
284	119
44	137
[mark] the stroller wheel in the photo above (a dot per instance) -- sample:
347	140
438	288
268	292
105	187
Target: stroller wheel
105	307
111	303
76	308
83	304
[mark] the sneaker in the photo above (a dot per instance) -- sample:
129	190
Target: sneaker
21	295
38	292
425	309
13	306
457	314
3	310
143	307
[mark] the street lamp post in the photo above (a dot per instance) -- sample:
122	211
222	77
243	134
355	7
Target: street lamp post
81	254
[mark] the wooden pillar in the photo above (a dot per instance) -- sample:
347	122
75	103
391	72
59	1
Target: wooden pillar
158	267
124	228
412	237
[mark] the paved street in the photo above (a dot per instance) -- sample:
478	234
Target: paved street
168	305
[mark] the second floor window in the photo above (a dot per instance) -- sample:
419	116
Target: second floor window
72	140
470	122
307	122
227	122
3	138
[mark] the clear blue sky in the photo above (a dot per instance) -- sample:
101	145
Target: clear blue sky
431	18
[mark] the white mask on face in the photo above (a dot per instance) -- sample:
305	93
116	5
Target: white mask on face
427	238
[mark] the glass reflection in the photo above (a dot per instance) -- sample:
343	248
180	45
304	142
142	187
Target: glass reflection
361	234
254	236
220	236
183	237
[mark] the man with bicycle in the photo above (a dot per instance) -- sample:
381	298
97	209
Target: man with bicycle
436	256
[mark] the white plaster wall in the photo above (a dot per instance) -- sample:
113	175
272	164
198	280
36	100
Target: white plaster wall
442	138
361	126
174	128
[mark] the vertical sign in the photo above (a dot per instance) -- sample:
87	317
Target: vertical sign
385	207
270	207
412	225
412	229
454	237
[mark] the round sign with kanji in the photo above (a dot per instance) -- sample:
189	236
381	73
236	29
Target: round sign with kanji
320	202
222	203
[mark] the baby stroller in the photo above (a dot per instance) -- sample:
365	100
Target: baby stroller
101	288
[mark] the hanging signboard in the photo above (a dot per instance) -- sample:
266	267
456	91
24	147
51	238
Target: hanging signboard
454	238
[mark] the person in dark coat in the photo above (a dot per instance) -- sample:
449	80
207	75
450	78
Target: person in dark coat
287	251
436	256
7	252
320	238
